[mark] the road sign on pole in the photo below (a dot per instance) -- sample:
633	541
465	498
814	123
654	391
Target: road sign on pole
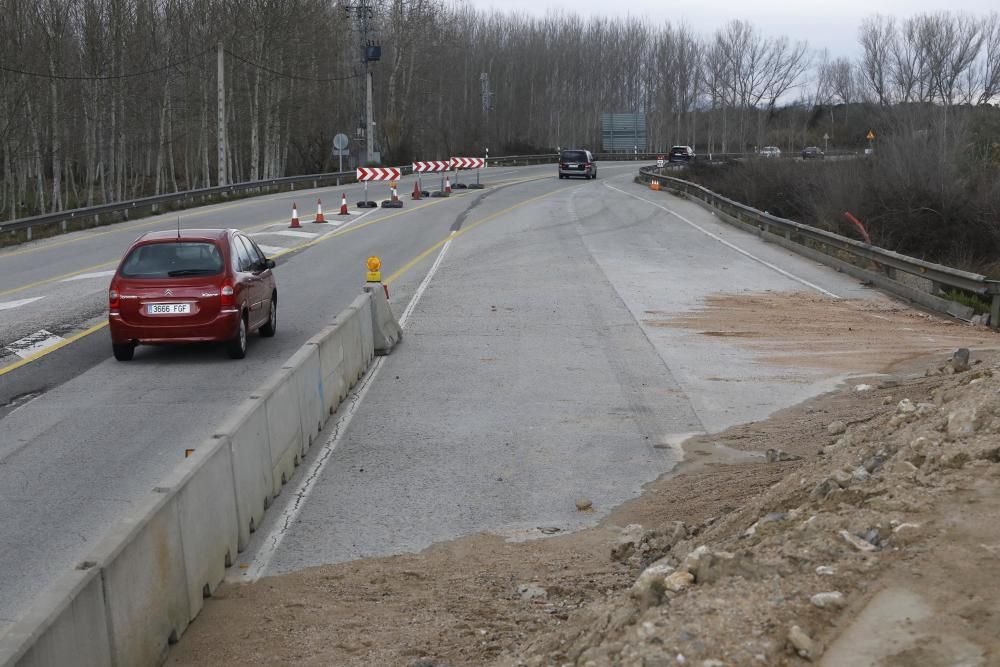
340	150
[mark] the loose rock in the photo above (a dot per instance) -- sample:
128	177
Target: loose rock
584	504
836	428
857	542
960	360
531	592
801	642
776	455
829	600
905	407
678	581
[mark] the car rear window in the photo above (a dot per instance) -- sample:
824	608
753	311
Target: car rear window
573	156
173	259
676	150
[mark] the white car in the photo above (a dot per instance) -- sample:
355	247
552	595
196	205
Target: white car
770	151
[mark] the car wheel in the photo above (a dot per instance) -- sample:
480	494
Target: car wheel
272	321
237	347
123	351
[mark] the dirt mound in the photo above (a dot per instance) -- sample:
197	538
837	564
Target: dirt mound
887	518
866	535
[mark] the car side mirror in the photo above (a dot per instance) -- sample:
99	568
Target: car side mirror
269	263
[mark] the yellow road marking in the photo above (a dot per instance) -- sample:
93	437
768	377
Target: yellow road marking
97	327
63	343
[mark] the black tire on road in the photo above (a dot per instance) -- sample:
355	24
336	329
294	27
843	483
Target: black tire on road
269	329
237	347
123	351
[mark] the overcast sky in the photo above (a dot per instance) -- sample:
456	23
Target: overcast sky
830	24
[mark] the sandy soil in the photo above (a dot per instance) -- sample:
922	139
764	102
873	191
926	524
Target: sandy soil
587	598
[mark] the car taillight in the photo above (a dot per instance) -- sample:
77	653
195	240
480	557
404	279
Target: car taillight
227	293
113	298
588	165
562	165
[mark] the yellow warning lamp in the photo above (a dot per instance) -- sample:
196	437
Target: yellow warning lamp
374	266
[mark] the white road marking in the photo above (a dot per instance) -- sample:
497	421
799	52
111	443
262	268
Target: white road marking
270	544
726	243
288	232
7	305
34	343
88	276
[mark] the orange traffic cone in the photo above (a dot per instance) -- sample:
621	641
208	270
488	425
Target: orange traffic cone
295	217
447	185
416	191
343	205
395	197
319	211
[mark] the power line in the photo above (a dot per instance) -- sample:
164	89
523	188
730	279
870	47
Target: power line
109	77
286	75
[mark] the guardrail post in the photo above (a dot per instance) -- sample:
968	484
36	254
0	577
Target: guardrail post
63	225
29	233
995	312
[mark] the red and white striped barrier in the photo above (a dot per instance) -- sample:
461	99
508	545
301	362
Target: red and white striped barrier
468	163
366	174
432	166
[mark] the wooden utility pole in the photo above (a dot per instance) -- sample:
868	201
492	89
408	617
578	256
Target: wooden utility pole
223	180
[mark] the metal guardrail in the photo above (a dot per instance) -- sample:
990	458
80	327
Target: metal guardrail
854	257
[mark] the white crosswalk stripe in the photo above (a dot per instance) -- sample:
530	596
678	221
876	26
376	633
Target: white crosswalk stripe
7	305
287	232
88	276
34	343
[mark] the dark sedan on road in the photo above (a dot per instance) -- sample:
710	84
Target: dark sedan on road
191	286
812	153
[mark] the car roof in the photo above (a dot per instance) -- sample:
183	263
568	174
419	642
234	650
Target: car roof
187	235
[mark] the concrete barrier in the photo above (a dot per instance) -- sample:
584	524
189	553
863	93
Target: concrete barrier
284	427
250	455
206	512
385	328
351	320
146	580
145	585
333	364
65	626
307	379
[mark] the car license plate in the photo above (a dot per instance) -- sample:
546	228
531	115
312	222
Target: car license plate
572	165
168	308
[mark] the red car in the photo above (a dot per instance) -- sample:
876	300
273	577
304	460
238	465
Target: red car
192	286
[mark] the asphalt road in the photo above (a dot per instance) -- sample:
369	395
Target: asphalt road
536	371
83	436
